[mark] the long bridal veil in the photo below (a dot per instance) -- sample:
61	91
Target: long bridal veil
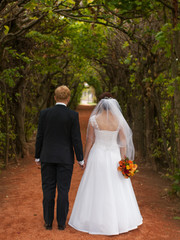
107	116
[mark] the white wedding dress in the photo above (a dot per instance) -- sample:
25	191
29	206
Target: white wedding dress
105	203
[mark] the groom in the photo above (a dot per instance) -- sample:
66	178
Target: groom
57	138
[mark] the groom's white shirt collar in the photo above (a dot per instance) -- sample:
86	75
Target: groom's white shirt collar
60	103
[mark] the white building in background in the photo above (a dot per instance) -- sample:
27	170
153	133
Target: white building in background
88	95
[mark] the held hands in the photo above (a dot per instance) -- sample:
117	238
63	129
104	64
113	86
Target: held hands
38	162
82	164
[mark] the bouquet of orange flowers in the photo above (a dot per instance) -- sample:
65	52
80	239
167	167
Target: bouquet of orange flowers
127	167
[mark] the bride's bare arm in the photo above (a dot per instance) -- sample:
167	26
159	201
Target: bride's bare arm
89	142
122	142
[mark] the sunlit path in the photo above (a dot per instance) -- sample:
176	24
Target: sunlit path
21	203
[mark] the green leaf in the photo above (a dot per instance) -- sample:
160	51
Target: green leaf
125	45
6	29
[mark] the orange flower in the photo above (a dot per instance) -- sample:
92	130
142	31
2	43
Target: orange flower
127	167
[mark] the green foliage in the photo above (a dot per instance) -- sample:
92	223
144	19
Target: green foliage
128	59
77	92
86	41
94	81
129	7
9	76
175	178
2	142
164	40
16	55
6	29
157	151
167	84
4	125
40	38
176	183
125	45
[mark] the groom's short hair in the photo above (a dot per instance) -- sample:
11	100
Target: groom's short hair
62	93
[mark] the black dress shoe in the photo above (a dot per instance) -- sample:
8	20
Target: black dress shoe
61	227
48	226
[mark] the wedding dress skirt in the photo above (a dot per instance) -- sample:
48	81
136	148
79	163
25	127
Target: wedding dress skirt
105	202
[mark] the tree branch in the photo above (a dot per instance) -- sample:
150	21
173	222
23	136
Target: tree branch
17	3
22	30
165	4
12	19
76	9
3	3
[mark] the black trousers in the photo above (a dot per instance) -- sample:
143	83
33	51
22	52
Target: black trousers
53	175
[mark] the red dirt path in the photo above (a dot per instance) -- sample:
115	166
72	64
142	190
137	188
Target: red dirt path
21	204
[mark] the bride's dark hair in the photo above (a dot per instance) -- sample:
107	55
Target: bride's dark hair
105	95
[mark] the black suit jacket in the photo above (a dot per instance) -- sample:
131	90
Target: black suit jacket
58	134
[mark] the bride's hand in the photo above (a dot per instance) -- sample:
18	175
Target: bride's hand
83	166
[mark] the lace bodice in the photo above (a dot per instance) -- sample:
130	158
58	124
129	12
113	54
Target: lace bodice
105	138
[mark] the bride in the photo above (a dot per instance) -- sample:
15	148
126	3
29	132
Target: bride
105	202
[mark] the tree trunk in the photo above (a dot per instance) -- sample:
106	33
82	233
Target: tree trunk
19	115
175	63
173	138
137	108
149	128
6	149
161	126
6	156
